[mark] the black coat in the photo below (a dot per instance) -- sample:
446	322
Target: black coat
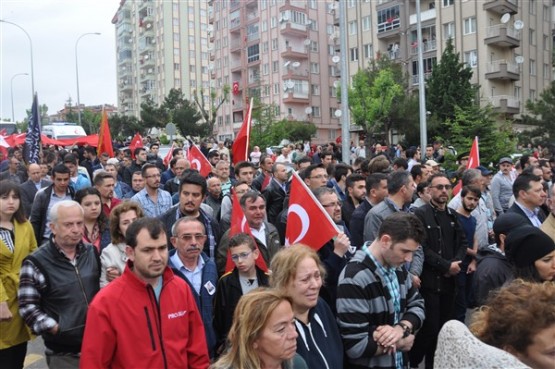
517	210
493	270
28	192
274	195
356	225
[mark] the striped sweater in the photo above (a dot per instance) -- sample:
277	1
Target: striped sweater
364	303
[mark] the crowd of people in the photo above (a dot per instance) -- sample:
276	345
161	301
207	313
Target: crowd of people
125	261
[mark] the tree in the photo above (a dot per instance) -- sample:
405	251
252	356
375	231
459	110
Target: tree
122	126
496	140
183	114
43	111
216	102
448	87
152	116
542	114
401	109
90	121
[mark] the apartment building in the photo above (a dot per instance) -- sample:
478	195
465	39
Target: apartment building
279	51
160	45
507	43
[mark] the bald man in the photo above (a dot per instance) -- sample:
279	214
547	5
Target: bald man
31	186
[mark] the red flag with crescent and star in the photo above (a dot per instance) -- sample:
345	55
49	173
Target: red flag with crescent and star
473	162
136	141
307	221
239	224
199	161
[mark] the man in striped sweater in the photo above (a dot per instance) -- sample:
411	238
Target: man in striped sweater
378	308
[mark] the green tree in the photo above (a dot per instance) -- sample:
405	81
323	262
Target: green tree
122	126
448	87
43	111
91	121
495	139
152	116
183	114
378	112
263	117
215	103
542	114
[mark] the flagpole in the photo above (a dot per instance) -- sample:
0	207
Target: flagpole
248	130
316	201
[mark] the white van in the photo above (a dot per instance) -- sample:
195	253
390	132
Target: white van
63	130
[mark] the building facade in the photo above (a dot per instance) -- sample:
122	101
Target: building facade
160	45
507	43
280	52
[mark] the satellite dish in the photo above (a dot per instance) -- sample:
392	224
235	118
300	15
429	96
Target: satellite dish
290	84
296	64
308	110
519	59
338	113
336	59
286	64
519	25
307	42
505	18
146	56
285	88
336	84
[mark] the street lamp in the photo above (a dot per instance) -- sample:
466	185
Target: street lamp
31	48
11	89
77	75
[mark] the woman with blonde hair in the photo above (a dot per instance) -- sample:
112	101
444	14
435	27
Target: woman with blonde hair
17	240
113	257
262	335
520	319
298	273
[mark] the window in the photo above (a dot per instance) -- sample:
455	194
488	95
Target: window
532	95
470	25
314	46
449	30
351	4
274	44
353	52
316	111
275	66
532	67
546	71
273	22
329	29
313	24
313	4
389	19
353	25
264	26
265	69
331	50
471	58
314	68
315	90
368	51
253	53
532	6
545	42
532	36
175	66
546	13
517	92
446	3
265	47
276	88
366	24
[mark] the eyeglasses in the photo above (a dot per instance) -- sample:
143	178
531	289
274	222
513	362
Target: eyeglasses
333	204
320	176
189	237
441	187
240	256
154	176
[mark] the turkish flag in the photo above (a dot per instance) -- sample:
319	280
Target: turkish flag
307	221
136	141
236	88
199	161
266	182
240	148
169	155
473	162
105	137
239	224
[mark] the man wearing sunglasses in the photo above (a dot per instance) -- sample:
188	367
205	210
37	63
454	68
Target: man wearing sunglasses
190	263
444	248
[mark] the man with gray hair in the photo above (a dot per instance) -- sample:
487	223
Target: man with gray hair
57	283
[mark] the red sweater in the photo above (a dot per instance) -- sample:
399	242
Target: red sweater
127	328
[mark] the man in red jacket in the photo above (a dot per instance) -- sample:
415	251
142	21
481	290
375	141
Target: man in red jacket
147	318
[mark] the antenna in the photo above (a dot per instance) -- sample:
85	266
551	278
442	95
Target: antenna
519	25
505	18
308	110
307	42
519	59
336	59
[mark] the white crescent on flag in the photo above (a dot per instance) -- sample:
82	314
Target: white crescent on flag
305	221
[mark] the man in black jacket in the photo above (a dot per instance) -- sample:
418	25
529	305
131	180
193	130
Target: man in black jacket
444	248
276	191
30	187
529	196
136	166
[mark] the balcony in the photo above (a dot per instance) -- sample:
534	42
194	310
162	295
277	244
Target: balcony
505	104
424	16
502	6
293	29
235	65
236	44
235	24
415	77
237	104
234	4
503	70
390	28
293	97
294	53
502	35
291	73
430	45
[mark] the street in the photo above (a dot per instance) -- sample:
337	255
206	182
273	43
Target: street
35	355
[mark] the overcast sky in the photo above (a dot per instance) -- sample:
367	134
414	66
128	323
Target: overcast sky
54	26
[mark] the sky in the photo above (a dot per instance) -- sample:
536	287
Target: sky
54	27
